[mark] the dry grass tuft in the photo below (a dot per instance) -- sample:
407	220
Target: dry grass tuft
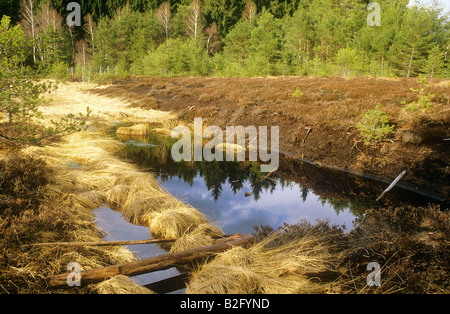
202	235
121	285
174	222
264	268
138	129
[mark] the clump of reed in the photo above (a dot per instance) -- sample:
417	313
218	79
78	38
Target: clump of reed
174	222
202	235
268	268
26	268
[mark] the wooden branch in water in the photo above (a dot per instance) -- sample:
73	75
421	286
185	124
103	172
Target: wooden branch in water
152	264
399	177
267	177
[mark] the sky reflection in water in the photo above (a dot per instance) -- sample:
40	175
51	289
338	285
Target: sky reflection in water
238	213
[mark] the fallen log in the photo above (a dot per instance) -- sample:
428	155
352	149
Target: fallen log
112	243
102	243
152	264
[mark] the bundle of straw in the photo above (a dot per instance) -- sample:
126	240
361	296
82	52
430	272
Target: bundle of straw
265	269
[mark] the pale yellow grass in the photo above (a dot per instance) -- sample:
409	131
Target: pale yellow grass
444	83
141	129
101	177
74	98
121	285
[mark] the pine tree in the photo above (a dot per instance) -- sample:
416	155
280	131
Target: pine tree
434	65
377	40
298	40
348	60
19	95
224	13
13	48
413	40
53	45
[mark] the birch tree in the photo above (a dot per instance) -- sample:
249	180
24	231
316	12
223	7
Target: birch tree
89	28
164	16
29	22
249	11
194	22
212	39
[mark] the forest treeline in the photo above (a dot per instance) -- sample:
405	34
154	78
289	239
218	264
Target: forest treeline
233	37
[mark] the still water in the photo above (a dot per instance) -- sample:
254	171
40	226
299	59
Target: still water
236	212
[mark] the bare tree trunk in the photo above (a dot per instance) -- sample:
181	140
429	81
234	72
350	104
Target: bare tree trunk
410	62
249	11
70	28
89	28
193	19
29	21
212	40
9	116
164	16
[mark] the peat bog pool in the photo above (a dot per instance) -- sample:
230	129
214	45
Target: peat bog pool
236	196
